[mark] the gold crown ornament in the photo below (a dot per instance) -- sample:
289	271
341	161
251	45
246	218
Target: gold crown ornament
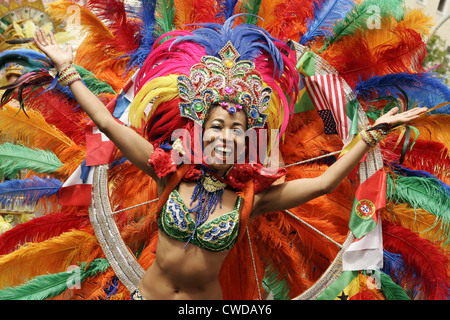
218	80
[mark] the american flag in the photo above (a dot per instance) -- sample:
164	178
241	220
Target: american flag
327	94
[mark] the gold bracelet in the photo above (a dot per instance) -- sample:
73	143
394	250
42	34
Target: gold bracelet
68	75
373	136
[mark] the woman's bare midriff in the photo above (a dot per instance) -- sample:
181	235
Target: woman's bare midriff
182	274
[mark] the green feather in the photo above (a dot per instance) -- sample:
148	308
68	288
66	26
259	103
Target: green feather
14	158
52	285
251	7
273	283
94	84
360	16
426	193
165	15
391	290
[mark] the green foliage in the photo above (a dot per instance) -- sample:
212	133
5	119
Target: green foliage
437	54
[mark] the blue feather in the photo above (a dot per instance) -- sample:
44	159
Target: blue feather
28	190
326	13
25	57
146	34
394	266
425	89
248	39
226	8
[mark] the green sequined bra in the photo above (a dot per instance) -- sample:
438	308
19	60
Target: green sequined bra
216	235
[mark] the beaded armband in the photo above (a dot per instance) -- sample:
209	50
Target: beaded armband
68	75
373	135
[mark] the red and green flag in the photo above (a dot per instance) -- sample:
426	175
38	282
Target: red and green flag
369	199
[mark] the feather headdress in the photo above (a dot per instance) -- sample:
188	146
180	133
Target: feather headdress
186	49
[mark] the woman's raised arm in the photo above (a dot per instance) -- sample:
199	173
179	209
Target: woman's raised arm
297	192
134	147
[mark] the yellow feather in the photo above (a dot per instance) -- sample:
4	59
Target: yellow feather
18	29
35	132
434	127
64	37
160	90
417	20
418	220
50	256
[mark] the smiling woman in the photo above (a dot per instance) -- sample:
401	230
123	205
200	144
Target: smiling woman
214	218
224	137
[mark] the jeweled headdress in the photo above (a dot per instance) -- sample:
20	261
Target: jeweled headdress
188	71
225	79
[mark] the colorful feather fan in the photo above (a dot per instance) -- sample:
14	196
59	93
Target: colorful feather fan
34	131
60	112
416	191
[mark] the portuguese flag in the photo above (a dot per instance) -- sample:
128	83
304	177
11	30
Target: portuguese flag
369	199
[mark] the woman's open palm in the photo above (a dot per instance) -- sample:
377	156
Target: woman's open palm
394	118
50	47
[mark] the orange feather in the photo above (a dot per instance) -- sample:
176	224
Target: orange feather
51	256
96	53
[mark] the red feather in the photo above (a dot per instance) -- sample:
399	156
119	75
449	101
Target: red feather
288	20
60	112
424	261
40	229
114	13
427	155
356	60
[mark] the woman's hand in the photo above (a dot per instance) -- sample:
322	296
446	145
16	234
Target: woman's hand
394	118
49	46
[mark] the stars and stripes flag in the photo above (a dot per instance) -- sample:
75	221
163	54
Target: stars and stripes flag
328	96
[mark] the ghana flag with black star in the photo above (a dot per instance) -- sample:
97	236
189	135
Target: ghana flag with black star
353	285
344	288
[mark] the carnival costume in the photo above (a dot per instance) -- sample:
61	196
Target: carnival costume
173	60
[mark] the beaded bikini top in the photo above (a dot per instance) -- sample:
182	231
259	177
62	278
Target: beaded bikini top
219	234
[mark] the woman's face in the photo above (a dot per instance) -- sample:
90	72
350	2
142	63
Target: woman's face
224	138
